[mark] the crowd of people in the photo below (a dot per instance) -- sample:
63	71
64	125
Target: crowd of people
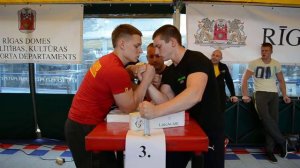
192	83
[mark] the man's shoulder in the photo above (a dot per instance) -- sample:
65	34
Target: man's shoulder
109	56
221	64
197	56
194	52
255	61
275	61
111	60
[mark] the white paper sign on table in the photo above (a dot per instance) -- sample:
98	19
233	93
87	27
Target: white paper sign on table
136	122
145	151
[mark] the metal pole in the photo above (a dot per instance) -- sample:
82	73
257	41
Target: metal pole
33	93
176	15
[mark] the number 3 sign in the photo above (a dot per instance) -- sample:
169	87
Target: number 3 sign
145	151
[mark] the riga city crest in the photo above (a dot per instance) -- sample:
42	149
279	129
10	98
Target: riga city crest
220	33
27	19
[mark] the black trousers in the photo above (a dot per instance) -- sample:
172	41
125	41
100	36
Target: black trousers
75	136
178	159
215	157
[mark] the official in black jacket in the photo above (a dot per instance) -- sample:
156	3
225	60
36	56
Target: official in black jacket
223	77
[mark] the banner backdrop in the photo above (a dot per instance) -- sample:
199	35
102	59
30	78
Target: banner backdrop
41	34
240	30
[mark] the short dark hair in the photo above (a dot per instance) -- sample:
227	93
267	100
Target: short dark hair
124	30
267	45
166	32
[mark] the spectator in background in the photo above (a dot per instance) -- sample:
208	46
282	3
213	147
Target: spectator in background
265	71
157	62
223	76
188	84
106	83
153	59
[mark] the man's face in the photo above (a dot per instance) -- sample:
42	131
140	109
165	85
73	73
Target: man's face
155	59
132	48
266	52
216	57
162	48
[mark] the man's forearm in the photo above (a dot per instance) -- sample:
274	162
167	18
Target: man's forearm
156	96
244	88
282	88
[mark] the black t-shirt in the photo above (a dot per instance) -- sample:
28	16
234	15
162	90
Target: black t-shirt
207	112
162	73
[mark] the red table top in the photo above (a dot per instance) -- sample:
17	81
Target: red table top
112	136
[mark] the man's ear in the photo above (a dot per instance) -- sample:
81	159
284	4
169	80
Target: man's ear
121	43
173	41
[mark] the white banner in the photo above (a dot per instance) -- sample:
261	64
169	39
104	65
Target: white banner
240	30
48	34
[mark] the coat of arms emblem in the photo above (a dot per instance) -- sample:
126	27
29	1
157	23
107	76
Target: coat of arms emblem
27	18
220	33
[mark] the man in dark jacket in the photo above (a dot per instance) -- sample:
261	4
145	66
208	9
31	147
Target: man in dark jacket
223	76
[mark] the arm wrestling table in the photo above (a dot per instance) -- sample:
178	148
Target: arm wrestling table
112	136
